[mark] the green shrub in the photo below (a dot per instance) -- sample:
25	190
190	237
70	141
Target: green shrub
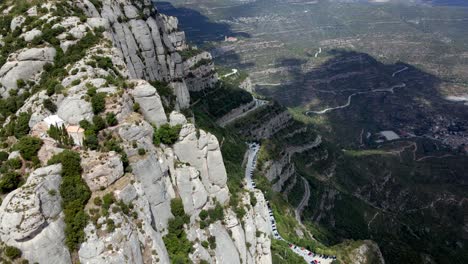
14	164
85	124
107	200
240	211
203	214
99	123
166	134
253	199
98	201
212	242
60	134
216	213
20	83
141	151
111	119
203	224
98	102
12	252
92	90
190	52
205	244
70	161
21	125
75	82
3	156
28	147
110	225
136	107
91	142
49	105
75	194
176	242
9	182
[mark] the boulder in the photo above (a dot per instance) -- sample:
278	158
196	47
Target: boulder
177	119
97	22
17	22
30	35
150	103
73	109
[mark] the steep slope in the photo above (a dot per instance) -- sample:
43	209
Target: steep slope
112	174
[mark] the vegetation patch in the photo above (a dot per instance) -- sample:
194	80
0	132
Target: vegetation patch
177	244
166	134
75	194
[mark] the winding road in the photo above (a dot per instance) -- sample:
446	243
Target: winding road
348	103
318	52
304	201
307	255
233	71
258	103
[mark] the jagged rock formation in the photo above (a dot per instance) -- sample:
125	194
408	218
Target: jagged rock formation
200	72
31	218
149	43
143	177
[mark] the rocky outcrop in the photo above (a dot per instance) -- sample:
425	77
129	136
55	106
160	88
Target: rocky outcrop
73	109
367	252
204	154
190	187
24	65
279	171
31	218
101	169
142	177
200	72
150	103
147	40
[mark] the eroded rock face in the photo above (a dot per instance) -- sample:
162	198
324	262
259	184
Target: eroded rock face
148	41
73	109
31	218
227	253
201	72
204	154
154	185
24	65
101	169
150	103
191	189
146	46
367	252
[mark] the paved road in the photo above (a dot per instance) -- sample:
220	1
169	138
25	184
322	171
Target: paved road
348	102
234	71
397	72
307	255
304	201
258	103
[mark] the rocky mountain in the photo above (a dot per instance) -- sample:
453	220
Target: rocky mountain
99	165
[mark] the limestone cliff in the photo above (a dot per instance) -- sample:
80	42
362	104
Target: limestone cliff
89	67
